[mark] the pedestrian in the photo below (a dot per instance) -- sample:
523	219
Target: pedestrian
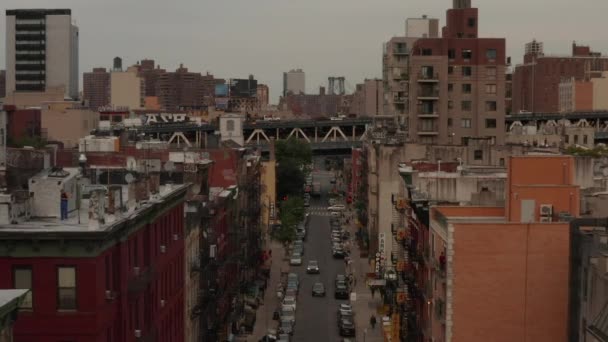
372	321
64	205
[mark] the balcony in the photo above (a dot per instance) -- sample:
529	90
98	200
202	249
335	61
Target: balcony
400	51
401	76
428	94
427	112
428	77
428	129
399	99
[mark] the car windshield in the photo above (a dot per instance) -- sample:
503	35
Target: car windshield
312	263
296	255
318	286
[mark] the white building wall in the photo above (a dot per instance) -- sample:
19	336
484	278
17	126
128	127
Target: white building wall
421	27
126	89
296	81
59	52
10	54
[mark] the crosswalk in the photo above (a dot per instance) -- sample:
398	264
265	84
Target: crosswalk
318	211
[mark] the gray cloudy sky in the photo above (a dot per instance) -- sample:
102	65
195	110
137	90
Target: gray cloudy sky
235	38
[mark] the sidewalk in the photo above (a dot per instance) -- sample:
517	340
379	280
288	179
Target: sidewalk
365	305
264	312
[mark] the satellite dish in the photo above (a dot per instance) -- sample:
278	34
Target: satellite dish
129	178
169	166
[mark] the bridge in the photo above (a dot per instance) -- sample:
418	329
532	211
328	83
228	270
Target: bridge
322	135
595	119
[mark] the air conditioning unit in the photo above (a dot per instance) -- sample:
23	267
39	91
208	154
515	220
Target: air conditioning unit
109	295
136	271
162	303
545	219
175	237
546	210
163	249
137	333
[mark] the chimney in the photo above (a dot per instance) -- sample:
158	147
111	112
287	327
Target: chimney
271	149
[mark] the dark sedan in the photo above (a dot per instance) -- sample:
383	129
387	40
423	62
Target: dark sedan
341	292
318	290
347	327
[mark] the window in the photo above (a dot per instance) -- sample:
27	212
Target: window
471	22
478	155
22	279
450	87
490	106
576	139
584	139
491	71
449	122
66	288
450	70
467	88
451	53
490	123
567	138
490	88
427	52
230	125
467	71
450	104
501	162
465	123
467	54
491	54
466	106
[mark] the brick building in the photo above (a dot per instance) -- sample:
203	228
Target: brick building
96	88
512	262
183	89
457	83
263	96
22	124
111	271
536	81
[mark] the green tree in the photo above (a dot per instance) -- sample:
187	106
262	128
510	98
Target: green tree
291	214
293	157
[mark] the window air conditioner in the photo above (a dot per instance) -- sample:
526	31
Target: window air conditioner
546	210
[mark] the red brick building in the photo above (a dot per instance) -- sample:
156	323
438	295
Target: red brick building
103	274
536	81
96	88
23	124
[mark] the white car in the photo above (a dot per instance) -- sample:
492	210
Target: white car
335	118
296	259
289	301
337	207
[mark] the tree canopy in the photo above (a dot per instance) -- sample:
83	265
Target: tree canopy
293	157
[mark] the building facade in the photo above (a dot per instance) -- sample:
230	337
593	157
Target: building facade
2	83
115	274
457	83
294	82
41	51
96	88
127	89
536	82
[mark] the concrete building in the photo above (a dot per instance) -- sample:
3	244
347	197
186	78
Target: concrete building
515	257
263	94
231	128
368	99
600	89
2	83
457	83
41	51
96	88
27	99
424	27
294	82
10	302
67	122
575	96
127	89
536	82
556	134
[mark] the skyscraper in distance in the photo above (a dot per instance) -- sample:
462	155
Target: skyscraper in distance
41	51
294	82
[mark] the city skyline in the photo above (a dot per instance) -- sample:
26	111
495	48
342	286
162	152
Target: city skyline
280	40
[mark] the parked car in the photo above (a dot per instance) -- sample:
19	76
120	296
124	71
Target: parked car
318	290
284	338
290	301
313	267
293	277
337	207
341	291
291	292
288	314
296	259
286	327
338	253
346	327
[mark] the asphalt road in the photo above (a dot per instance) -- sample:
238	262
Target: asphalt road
316	317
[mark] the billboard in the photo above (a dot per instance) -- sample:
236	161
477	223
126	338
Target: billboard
221	90
243	87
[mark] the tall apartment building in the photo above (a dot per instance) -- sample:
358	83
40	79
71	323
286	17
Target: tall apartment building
41	51
181	89
503	273
2	83
263	96
395	64
457	83
536	81
151	74
96	88
368	99
294	82
127	89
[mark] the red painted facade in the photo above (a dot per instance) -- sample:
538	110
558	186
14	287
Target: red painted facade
151	303
22	123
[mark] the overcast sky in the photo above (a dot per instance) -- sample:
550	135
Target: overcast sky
235	38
